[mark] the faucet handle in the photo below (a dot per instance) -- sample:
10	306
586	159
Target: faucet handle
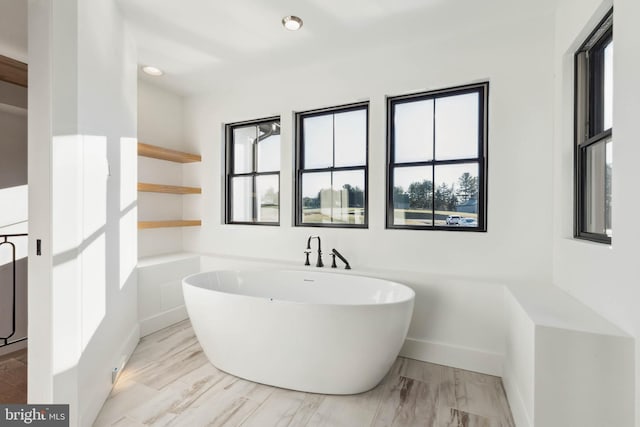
333	260
307	252
335	254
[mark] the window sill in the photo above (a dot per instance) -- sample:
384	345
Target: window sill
593	238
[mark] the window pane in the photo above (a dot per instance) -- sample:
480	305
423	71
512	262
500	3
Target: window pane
457	127
412	196
413	131
456	195
316	197
242	205
267	189
318	141
269	148
348	197
597	191
350	138
608	86
243	139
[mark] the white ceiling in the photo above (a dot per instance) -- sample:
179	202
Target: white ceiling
202	44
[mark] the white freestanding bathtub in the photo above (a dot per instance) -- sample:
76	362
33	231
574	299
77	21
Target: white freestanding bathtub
301	330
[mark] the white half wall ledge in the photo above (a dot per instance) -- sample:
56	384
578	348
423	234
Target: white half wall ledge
152	261
564	363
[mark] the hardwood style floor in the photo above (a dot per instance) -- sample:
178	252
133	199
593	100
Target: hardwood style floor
13	377
170	382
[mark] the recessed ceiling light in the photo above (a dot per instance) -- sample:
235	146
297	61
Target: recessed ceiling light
152	71
292	23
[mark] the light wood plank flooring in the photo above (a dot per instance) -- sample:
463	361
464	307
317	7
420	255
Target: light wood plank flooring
170	382
13	377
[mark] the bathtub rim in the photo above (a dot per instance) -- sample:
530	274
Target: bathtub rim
409	299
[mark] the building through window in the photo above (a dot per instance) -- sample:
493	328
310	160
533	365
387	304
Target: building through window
253	172
331	172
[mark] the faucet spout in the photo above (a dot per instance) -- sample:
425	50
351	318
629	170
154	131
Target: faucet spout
319	262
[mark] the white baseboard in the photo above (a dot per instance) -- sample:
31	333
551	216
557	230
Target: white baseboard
516	403
470	359
130	344
119	359
162	320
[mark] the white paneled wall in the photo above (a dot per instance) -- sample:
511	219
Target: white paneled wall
160	299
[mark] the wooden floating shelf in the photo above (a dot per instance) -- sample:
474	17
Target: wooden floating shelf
155	152
169	189
171	223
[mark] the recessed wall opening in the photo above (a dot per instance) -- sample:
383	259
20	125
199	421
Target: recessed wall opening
14	229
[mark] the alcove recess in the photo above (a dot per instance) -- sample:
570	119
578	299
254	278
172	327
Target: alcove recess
155	152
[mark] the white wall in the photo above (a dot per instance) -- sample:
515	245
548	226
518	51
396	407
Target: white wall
449	271
519	151
82	178
603	277
160	122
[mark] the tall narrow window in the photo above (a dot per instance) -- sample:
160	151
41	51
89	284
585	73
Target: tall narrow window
594	141
331	179
253	172
437	159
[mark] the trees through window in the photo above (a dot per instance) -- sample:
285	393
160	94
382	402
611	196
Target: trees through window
437	159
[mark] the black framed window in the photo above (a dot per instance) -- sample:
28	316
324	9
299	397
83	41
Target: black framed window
331	166
253	172
437	159
593	134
